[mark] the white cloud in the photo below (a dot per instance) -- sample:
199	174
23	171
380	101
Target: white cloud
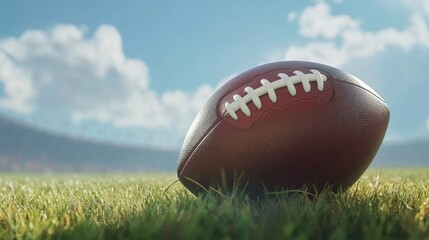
317	21
323	52
418	5
89	78
291	17
344	39
18	88
419	29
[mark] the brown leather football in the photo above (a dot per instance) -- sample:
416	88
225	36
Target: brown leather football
285	125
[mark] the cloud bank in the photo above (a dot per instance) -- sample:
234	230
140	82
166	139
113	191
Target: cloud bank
337	39
89	78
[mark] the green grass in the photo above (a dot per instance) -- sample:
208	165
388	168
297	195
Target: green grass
393	205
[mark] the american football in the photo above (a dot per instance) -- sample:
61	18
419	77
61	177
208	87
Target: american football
282	126
214	120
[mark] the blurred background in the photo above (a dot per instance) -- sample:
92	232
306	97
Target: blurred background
114	86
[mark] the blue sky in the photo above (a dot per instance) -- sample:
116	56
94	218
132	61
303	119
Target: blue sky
139	71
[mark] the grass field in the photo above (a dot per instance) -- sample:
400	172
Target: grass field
392	205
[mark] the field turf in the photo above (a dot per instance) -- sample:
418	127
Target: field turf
391	204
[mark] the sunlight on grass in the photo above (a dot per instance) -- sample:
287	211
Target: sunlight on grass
389	204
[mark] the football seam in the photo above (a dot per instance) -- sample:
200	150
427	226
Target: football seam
375	95
185	161
198	145
289	103
253	95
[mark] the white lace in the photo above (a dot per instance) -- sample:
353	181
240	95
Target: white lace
253	95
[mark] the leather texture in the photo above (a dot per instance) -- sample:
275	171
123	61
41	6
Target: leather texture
314	139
